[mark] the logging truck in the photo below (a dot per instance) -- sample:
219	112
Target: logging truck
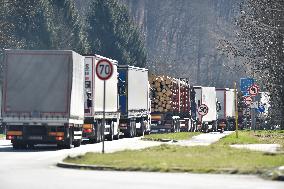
170	108
43	97
93	120
134	101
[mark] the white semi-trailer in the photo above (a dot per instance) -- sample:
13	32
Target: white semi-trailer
134	101
226	114
43	97
206	96
94	89
2	129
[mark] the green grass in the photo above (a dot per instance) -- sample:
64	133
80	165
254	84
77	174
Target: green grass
217	158
171	136
2	136
257	137
200	159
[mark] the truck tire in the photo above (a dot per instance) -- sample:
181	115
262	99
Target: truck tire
134	130
68	144
77	143
141	131
97	134
130	130
19	145
30	146
116	137
110	135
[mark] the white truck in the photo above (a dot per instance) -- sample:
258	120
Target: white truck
226	114
43	97
206	96
94	88
2	129
134	101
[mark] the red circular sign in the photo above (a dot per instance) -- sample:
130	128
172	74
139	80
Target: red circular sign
248	100
203	109
253	90
104	69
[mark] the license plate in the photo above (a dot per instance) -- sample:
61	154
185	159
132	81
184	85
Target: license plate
35	137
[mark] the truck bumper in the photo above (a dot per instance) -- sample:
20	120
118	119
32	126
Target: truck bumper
36	134
161	129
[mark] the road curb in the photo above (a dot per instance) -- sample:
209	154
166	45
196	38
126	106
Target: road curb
275	174
83	166
159	140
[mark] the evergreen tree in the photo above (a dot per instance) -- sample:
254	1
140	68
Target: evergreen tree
260	41
112	34
30	23
7	39
69	28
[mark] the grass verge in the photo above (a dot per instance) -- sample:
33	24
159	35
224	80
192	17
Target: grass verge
171	136
171	158
257	137
2	136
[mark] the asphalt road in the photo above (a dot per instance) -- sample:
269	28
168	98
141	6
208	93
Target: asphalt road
34	169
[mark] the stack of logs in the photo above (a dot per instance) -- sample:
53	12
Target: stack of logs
165	94
184	96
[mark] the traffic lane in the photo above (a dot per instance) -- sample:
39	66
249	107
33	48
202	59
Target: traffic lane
45	155
68	178
36	169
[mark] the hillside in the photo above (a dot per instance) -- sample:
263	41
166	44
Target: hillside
182	38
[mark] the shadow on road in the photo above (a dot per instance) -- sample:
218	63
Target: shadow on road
37	148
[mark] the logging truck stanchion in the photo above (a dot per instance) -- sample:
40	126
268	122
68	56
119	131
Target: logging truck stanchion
104	70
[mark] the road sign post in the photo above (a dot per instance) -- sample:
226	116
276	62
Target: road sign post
236	110
104	70
253	91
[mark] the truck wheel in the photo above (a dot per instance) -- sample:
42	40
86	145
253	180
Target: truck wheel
19	146
77	143
116	137
128	133
68	144
69	141
31	146
141	131
97	134
110	135
134	130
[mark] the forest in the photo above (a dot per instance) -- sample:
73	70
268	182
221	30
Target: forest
210	42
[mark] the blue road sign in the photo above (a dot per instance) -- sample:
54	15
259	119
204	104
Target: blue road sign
245	83
261	109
